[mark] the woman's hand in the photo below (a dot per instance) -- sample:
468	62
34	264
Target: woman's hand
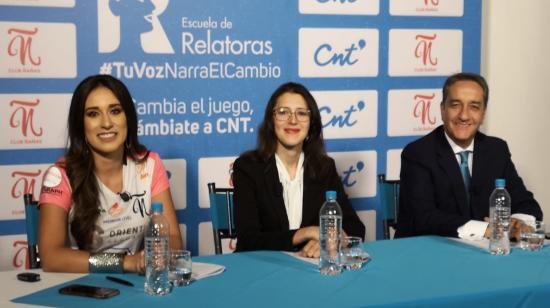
310	236
305	234
310	250
135	263
488	230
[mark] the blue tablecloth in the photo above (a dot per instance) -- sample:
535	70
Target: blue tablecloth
421	271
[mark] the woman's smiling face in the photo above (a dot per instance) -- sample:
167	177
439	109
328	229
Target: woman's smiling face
105	124
291	132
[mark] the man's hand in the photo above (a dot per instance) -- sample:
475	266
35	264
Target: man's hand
517	226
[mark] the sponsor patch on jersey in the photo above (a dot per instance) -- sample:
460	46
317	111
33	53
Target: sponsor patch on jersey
53	177
115	210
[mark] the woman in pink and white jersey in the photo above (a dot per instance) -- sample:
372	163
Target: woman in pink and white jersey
95	202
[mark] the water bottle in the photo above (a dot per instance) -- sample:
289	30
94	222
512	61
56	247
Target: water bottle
330	235
157	253
500	207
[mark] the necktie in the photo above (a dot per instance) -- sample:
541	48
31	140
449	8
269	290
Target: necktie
465	172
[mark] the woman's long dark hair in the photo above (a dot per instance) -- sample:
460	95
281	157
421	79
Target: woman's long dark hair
314	145
79	163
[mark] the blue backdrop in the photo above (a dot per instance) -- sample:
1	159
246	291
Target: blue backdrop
201	73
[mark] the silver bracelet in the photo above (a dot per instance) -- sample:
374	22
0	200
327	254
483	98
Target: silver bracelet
106	263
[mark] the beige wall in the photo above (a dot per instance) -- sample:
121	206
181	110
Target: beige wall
516	62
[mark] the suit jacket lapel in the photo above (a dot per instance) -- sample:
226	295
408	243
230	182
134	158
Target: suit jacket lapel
480	159
312	188
479	169
275	191
448	162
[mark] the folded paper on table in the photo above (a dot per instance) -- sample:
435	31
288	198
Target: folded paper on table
314	261
203	270
482	244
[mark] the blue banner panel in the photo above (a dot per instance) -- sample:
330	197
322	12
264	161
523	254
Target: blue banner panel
201	72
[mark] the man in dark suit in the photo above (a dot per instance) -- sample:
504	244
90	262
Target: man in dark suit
434	196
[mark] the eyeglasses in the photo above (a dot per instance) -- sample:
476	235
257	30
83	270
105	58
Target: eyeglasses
284	114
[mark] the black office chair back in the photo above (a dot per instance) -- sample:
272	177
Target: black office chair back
32	217
389	199
221	212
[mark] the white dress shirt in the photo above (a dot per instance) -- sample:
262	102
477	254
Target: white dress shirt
293	191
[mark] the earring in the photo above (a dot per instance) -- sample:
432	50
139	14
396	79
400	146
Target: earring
127	144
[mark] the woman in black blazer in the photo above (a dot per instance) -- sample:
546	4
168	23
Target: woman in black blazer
280	186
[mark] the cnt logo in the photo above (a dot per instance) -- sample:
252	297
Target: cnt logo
21	46
348	114
422	107
331	52
22	118
423	50
345	119
348	179
124	24
347	56
358	172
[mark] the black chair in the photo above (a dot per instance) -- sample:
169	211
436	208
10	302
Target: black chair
389	199
221	212
32	218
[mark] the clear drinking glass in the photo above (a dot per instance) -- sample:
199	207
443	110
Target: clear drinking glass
532	237
180	267
352	254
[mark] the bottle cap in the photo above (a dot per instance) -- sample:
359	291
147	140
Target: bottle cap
330	194
500	182
156	207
